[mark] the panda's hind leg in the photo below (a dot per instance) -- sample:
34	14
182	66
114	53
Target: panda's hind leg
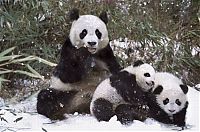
52	103
103	109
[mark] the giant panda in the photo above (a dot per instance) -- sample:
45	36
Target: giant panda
123	94
168	102
86	59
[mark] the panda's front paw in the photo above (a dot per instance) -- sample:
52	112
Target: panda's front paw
124	114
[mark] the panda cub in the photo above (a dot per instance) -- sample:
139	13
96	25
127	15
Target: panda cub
123	94
169	103
86	59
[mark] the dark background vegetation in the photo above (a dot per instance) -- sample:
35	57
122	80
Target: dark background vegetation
167	30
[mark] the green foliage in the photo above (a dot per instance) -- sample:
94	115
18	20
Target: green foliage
18	61
168	31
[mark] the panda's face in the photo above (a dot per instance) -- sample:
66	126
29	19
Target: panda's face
145	76
89	31
170	92
171	101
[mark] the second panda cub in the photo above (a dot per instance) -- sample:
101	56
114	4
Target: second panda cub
168	103
122	91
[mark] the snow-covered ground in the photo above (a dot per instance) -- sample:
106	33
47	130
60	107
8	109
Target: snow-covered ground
23	117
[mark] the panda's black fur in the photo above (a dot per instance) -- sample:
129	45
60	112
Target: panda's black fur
73	62
76	70
127	87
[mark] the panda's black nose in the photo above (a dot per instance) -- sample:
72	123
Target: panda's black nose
91	43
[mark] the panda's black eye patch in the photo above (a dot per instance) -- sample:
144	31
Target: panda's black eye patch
178	102
98	33
166	101
83	34
147	75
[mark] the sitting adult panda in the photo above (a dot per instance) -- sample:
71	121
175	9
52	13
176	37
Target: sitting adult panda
124	94
86	59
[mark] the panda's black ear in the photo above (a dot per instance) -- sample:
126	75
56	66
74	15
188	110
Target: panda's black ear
158	89
184	88
104	17
138	63
74	14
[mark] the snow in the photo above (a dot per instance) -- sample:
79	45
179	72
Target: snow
197	87
195	51
23	117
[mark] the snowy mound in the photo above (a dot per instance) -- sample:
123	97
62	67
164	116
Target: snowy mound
23	117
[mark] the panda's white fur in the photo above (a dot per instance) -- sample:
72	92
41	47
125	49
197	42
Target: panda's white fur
90	23
167	80
144	82
105	91
56	83
172	91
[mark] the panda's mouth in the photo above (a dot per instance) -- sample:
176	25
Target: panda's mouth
91	49
151	84
172	111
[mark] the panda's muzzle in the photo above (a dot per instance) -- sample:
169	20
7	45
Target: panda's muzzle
150	83
92	47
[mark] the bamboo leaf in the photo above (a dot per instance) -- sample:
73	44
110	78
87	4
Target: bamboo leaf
18	119
7	58
44	130
194	33
45	62
29	58
3	119
7	71
4	80
35	72
27	73
7	51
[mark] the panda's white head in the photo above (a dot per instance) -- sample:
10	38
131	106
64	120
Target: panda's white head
145	74
89	31
170	93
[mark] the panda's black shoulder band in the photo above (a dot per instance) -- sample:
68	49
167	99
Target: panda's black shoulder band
67	43
74	14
